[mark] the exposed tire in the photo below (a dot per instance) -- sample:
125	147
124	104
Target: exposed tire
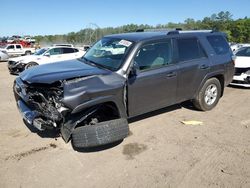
209	95
100	134
31	64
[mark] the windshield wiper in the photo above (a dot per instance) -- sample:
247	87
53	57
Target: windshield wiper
95	64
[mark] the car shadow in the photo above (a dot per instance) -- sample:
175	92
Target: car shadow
55	134
98	148
187	104
238	87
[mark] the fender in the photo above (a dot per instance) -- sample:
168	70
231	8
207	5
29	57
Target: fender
219	72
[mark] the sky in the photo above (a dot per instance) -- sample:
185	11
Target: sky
33	17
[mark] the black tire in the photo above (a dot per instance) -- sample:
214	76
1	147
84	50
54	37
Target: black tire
100	134
207	100
30	64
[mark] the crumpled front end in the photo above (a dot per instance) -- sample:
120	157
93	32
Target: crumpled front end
15	67
39	104
67	104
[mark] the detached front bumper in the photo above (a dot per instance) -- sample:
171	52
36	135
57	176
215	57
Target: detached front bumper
29	115
15	67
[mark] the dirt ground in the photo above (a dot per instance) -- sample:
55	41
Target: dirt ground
160	151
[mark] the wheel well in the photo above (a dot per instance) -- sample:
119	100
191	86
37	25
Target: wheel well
102	112
222	83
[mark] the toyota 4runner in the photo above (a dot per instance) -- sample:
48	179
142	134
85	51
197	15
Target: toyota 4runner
124	75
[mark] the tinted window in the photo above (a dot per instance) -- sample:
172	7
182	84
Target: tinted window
18	46
243	52
55	51
68	50
154	55
219	44
10	47
76	50
189	48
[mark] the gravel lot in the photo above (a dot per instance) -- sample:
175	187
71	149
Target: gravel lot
160	151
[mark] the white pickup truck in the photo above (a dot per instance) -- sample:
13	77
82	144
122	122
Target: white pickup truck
17	49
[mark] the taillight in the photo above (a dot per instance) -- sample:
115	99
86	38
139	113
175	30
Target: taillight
233	58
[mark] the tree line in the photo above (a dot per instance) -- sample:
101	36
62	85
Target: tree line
237	30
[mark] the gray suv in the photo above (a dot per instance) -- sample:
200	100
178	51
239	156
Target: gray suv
90	99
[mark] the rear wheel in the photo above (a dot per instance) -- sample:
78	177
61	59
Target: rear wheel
31	64
209	95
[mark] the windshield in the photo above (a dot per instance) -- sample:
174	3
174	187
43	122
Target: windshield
108	53
245	51
41	51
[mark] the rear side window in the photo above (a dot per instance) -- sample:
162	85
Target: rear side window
189	48
219	44
68	50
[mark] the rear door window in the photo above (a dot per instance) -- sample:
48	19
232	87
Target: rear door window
219	44
189	48
68	50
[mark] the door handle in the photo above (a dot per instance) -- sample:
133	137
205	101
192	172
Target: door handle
204	66
171	74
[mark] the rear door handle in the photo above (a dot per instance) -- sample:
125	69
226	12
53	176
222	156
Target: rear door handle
204	67
171	74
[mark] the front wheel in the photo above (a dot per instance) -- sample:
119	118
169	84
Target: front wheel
31	64
209	95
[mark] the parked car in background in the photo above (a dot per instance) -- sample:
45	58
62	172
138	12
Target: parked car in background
235	47
122	76
17	50
29	39
65	45
43	56
3	55
242	67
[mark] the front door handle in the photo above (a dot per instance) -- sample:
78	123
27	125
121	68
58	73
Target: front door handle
171	74
204	66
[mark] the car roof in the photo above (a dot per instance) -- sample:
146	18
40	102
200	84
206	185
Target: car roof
141	36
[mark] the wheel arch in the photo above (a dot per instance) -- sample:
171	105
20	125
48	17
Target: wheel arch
218	75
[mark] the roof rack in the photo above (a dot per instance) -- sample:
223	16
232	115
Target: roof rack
174	31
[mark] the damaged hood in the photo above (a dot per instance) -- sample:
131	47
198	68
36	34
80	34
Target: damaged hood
50	73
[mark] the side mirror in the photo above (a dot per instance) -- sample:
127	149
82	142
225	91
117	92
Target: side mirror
47	54
134	69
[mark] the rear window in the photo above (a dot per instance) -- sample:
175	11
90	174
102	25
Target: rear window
219	44
189	48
